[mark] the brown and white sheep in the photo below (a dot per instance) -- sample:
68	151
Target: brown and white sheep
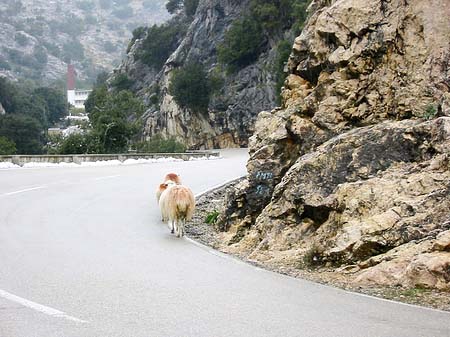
173	177
177	204
162	187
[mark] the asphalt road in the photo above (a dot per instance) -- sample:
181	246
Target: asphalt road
83	253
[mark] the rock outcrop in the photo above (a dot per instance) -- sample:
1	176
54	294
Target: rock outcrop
354	170
232	112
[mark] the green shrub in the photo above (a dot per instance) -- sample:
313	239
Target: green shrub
313	257
211	218
154	94
159	43
266	20
73	144
190	87
173	6
40	54
158	144
73	50
242	44
284	48
4	64
430	112
52	48
121	82
190	6
7	146
79	143
138	33
25	131
114	117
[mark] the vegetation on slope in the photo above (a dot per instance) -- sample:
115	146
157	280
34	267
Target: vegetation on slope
263	26
29	112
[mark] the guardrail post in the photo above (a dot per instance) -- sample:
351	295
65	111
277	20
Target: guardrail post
16	160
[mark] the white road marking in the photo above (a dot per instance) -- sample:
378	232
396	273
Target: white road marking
107	177
24	190
39	307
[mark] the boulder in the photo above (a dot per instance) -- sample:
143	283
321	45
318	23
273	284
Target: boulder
353	170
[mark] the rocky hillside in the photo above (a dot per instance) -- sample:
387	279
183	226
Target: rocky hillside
353	172
239	95
38	37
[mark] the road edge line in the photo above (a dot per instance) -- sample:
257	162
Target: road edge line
39	307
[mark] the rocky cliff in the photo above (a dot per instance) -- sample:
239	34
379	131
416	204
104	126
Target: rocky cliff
232	111
353	172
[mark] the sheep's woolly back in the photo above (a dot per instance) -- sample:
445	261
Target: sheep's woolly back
177	203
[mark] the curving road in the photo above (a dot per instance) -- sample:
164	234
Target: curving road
83	253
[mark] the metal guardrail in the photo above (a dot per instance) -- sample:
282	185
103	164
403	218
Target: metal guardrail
80	158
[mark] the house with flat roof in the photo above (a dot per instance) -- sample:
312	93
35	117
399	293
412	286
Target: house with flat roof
75	97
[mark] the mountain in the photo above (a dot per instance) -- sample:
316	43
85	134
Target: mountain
227	53
352	174
38	38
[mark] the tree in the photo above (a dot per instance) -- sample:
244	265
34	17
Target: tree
7	146
174	6
56	107
121	82
114	117
190	87
157	144
138	33
24	131
73	144
7	94
160	42
190	6
242	44
284	48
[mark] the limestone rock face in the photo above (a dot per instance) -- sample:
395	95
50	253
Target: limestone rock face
355	167
232	112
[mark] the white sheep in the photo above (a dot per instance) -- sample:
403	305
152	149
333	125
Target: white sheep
177	204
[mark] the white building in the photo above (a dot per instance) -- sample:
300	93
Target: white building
77	97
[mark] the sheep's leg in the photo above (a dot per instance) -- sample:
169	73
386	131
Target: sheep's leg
172	225
183	223
179	228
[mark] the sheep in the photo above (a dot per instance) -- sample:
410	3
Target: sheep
177	204
169	177
173	177
160	190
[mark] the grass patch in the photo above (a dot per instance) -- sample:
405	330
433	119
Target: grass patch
413	292
430	112
211	218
